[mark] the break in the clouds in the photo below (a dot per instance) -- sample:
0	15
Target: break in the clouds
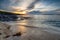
41	5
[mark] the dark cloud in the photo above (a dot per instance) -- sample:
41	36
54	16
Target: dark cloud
32	4
52	12
35	12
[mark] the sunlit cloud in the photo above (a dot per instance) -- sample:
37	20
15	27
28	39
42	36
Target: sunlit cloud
26	3
22	4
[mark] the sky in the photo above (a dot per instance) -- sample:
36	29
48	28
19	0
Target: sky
39	5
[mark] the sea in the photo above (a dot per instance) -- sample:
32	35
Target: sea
49	23
33	26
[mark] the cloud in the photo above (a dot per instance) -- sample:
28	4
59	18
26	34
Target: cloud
27	3
23	4
40	5
46	12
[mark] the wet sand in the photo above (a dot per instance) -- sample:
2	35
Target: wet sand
31	33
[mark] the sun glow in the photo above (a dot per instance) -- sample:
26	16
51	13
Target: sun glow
20	12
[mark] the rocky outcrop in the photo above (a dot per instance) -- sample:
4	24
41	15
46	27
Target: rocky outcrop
7	16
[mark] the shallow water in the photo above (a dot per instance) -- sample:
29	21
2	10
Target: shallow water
37	27
50	23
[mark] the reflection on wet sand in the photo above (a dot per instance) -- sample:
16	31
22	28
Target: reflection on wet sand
23	29
23	22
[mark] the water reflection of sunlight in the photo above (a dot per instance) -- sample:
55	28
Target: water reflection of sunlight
23	22
25	15
22	29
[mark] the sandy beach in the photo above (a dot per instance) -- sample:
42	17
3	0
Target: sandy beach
27	33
